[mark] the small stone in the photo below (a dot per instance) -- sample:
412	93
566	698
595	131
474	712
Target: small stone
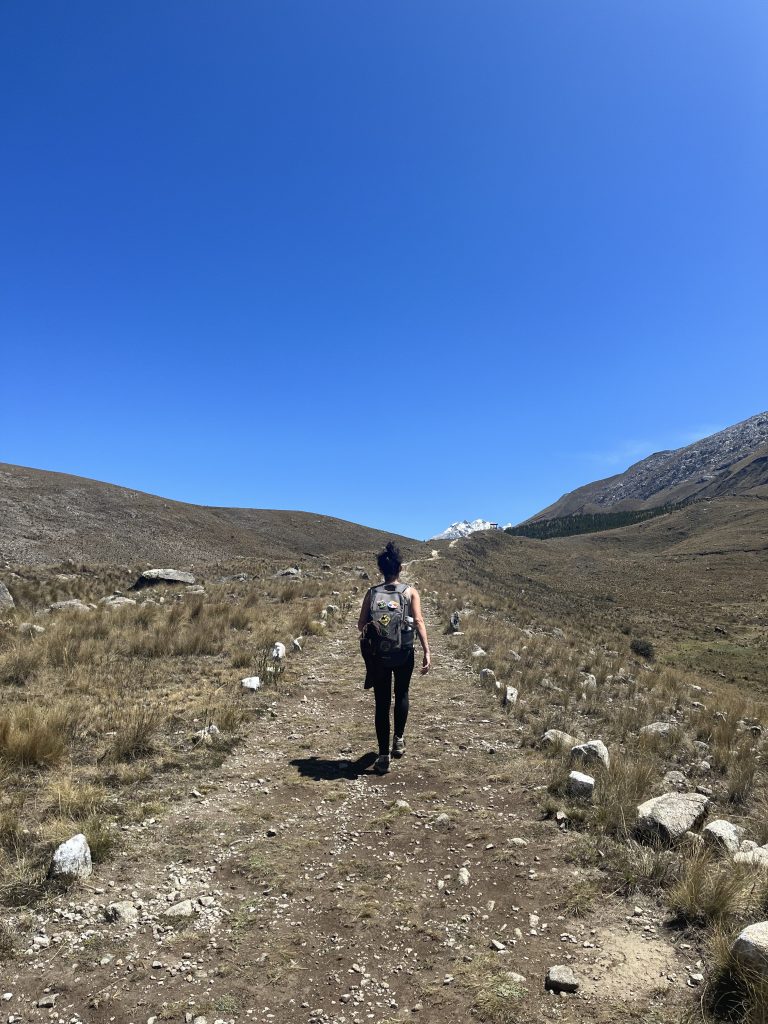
657	729
561	978
498	946
123	912
48	1002
580	785
555	739
723	836
594	752
72	859
278	651
251	683
463	876
185	908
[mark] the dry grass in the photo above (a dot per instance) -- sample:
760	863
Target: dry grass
109	700
711	892
496	997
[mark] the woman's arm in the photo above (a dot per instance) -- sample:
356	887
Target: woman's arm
421	629
365	612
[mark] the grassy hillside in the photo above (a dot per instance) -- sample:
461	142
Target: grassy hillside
46	518
692	581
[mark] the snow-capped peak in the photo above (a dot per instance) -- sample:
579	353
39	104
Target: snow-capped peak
463	529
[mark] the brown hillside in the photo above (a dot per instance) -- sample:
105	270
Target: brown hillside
47	518
693	581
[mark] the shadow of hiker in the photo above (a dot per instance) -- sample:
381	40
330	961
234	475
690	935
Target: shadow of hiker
321	768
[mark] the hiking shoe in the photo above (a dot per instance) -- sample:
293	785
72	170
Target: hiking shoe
382	764
398	747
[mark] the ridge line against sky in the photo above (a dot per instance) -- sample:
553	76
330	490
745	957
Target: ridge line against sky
281	256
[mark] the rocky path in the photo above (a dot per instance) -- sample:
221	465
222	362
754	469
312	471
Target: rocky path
297	886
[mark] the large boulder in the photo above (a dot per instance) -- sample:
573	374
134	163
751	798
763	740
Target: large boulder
751	949
6	599
151	577
592	753
72	859
667	818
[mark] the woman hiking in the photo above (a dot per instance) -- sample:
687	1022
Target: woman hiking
390	615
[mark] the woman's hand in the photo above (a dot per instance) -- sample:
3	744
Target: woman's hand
426	663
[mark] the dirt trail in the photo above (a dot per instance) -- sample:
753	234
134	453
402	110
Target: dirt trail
316	898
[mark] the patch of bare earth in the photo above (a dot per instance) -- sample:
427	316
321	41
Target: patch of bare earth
316	897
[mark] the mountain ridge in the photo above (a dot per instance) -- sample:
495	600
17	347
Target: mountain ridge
730	461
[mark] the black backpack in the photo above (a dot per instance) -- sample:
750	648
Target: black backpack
388	635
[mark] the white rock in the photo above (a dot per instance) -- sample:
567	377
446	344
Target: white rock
751	949
251	683
723	835
278	651
487	676
510	695
463	876
561	978
657	729
756	858
670	816
675	780
30	629
557	740
72	859
123	911
152	576
6	598
591	753
580	785
72	605
116	601
185	908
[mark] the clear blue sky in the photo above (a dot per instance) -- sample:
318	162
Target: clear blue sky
289	254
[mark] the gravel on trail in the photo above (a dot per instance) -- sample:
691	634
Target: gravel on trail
292	884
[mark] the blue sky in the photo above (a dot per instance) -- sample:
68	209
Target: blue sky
400	263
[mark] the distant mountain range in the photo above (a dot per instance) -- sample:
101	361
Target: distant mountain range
732	461
463	529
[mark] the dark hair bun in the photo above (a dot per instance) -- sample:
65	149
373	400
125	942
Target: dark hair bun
390	561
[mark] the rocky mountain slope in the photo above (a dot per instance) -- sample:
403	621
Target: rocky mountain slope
732	461
49	517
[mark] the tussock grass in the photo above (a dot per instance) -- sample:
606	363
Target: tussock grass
112	697
29	737
496	997
20	664
712	892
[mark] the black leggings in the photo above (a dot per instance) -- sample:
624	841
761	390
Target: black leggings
382	689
